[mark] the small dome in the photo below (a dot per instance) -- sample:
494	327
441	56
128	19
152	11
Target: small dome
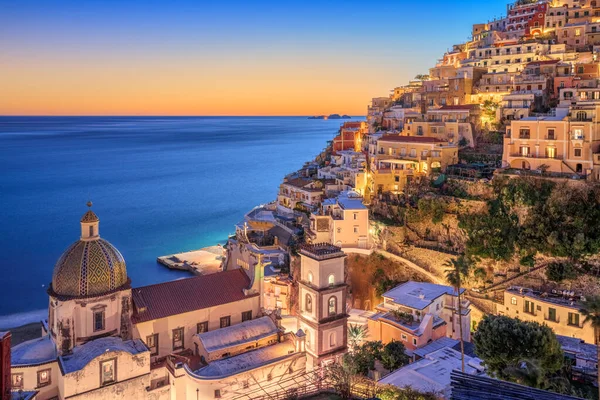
90	266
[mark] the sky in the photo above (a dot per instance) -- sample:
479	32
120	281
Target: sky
129	57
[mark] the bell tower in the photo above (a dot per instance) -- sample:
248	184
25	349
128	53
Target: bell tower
322	302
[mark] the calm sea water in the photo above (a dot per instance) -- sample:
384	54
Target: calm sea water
159	186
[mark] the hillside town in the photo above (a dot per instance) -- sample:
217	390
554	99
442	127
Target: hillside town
446	247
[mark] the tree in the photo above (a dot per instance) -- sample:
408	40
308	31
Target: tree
390	392
394	356
356	334
457	270
558	271
503	342
362	359
591	311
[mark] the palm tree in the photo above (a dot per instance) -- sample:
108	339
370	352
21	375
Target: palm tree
591	311
457	270
356	334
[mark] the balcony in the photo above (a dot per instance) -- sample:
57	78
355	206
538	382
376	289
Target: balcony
524	136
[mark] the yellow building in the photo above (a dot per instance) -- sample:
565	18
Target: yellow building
558	312
403	159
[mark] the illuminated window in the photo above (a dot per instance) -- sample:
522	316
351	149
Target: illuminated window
331	280
177	338
17	381
513	301
152	344
310	277
108	372
551	152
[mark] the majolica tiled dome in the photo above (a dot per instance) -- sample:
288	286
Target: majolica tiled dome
91	266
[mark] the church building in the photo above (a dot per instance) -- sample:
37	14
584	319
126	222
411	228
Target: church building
203	337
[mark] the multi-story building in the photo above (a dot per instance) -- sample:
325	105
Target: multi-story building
322	296
559	312
417	313
300	193
343	221
350	136
528	17
402	159
449	123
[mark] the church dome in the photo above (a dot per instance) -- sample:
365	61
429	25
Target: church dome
91	266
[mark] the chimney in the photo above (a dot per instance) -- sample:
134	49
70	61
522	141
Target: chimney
5	365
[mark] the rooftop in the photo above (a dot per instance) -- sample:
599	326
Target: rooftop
555	298
469	387
321	250
418	295
84	354
578	347
247	361
190	294
351	204
432	373
34	352
410	139
235	335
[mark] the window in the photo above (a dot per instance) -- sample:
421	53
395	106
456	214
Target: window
581	116
225	321
578	134
246	315
308	303
524	150
178	339
355	215
310	277
551	152
403	336
108	372
43	378
524	133
217	393
550	134
529	307
332	339
152	344
356	229
92	230
552	314
573	319
414	341
331	280
17	381
577	152
98	320
332	306
513	301
202	327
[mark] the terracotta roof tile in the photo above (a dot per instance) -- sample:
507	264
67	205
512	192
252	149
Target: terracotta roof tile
185	295
411	139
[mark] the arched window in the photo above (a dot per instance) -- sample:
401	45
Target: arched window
331	280
332	306
581	116
513	301
332	339
310	277
308	303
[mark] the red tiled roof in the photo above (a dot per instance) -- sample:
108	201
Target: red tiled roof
185	295
461	107
351	124
411	139
543	62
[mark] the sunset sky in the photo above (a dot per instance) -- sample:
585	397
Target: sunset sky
220	58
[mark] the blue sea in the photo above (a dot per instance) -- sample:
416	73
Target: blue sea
159	185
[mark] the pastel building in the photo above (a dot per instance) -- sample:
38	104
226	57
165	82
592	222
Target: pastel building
403	159
561	313
300	193
342	221
418	313
322	296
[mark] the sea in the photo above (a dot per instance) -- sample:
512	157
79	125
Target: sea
160	185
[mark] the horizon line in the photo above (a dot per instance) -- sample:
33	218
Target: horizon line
167	116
